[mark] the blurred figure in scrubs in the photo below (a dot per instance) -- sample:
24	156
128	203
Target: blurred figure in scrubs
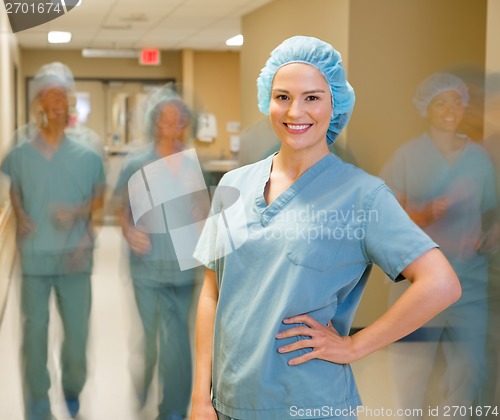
446	183
56	187
163	287
285	272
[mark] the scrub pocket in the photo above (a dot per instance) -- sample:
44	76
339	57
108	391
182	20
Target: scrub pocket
317	246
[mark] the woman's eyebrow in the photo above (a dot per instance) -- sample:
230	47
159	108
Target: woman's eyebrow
307	92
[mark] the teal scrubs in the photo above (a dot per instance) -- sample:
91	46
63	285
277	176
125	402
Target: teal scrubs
309	252
163	294
65	180
420	172
54	258
160	264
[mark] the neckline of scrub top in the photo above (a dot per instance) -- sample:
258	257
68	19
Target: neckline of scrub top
39	145
440	156
268	211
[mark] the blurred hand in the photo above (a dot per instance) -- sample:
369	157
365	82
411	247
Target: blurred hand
325	341
24	224
79	259
138	241
65	217
436	209
439	208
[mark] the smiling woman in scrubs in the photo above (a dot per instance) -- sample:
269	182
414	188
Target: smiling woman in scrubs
274	314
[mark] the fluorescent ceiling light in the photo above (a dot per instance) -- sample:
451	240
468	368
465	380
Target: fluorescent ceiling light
235	41
111	53
58	37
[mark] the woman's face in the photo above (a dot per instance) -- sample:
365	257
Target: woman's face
301	107
446	110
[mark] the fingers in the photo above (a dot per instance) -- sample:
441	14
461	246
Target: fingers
323	341
302	359
303	319
311	330
294	332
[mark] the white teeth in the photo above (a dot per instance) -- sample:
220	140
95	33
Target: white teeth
297	127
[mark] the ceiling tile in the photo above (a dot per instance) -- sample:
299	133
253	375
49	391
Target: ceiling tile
197	24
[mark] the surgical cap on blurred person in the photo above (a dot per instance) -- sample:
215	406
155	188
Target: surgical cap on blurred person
313	51
54	74
166	95
436	84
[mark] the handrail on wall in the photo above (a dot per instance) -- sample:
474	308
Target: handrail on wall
5	213
7	253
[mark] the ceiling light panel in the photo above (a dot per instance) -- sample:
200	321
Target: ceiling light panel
59	37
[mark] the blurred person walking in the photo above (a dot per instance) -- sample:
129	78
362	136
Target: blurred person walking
56	187
163	289
446	183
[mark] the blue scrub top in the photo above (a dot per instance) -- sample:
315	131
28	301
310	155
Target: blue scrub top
67	179
160	265
419	171
308	252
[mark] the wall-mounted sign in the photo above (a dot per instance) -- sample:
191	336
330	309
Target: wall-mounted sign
150	57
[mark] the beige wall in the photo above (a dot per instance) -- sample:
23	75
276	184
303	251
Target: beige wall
493	37
492	103
393	45
126	68
9	59
216	87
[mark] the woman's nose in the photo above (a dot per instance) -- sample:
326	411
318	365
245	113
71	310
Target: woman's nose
295	109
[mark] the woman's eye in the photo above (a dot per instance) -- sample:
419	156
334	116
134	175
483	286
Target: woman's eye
312	98
281	97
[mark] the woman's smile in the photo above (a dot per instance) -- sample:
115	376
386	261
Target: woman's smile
297	128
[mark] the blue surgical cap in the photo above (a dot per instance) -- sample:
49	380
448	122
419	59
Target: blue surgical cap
166	95
436	84
313	51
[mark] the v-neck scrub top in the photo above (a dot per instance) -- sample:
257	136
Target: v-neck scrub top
308	252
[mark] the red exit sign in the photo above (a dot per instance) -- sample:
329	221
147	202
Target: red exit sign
150	57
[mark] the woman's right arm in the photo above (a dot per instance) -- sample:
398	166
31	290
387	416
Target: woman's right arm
202	408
